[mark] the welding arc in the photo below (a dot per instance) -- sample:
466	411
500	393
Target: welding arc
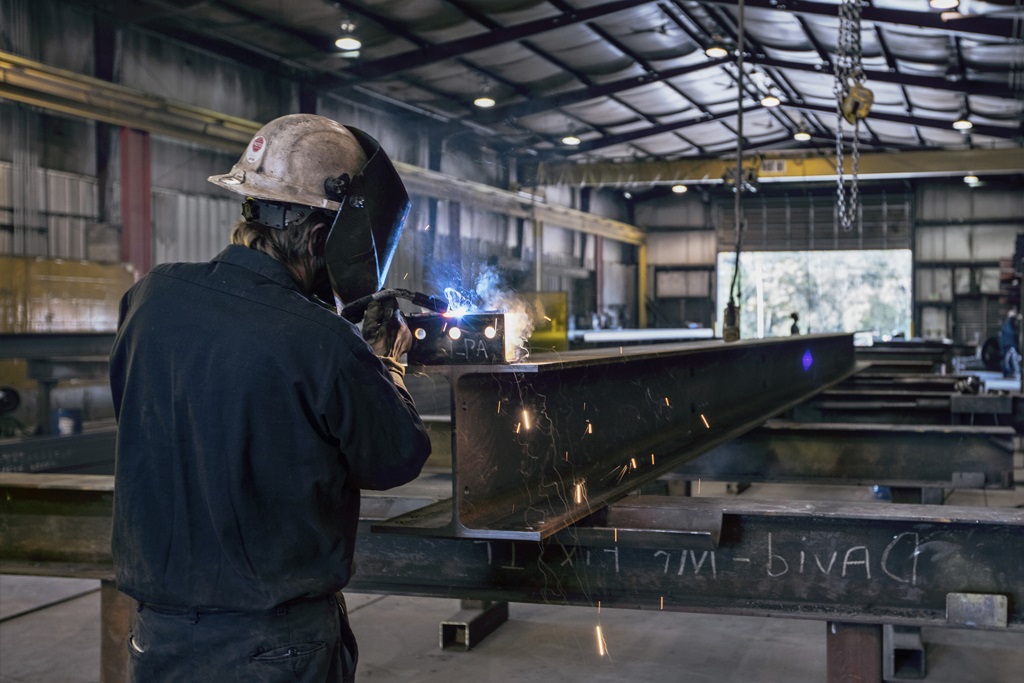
355	311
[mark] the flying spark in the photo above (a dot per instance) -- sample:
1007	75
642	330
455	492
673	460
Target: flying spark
579	493
499	407
406	276
526	419
590	428
667	403
602	648
652	458
632	461
662	602
615	535
518	425
705	421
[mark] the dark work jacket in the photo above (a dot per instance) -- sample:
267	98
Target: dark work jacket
248	420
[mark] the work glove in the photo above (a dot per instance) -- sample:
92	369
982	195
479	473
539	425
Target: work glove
385	330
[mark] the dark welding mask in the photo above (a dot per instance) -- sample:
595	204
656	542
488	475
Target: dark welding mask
365	232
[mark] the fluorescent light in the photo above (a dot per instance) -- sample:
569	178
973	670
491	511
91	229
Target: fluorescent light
943	4
571	140
963	123
802	135
716	51
484	102
348	43
770	100
971	179
679	188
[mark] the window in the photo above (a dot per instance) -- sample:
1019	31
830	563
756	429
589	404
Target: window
830	291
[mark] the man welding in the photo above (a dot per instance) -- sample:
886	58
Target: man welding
250	414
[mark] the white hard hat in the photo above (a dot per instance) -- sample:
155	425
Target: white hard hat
290	157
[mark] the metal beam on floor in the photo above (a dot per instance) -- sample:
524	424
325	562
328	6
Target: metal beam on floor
952	457
918	565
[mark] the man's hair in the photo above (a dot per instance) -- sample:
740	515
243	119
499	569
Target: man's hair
289	246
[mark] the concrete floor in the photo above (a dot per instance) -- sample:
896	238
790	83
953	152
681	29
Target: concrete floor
49	633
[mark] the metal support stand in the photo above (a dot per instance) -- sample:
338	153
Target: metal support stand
854	653
475	621
115	619
904	652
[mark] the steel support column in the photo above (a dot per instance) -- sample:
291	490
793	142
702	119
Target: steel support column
136	226
854	653
538	446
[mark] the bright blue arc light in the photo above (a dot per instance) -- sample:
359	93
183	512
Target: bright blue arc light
807	360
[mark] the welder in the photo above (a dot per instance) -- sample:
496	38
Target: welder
250	415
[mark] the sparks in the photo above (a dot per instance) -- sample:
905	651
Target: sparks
698	487
601	647
705	421
652	458
518	425
622	473
632	461
406	276
499	407
526	419
578	493
667	404
567	456
590	428
548	319
615	535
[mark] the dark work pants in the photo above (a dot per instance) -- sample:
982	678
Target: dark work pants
307	641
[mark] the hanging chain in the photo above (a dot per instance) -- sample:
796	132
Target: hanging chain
853	101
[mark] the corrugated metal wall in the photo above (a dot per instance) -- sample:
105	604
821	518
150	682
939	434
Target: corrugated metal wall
55	211
191	228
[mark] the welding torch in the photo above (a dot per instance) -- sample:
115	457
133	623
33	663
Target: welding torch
355	311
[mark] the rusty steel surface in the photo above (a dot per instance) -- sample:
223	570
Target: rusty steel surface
951	456
537	446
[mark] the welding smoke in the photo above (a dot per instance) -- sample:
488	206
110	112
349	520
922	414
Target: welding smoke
518	312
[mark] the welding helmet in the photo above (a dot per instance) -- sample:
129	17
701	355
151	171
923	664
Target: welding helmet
300	163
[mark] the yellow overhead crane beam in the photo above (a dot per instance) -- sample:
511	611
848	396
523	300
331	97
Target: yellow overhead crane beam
785	168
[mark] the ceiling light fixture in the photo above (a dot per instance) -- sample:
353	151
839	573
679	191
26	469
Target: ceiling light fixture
679	188
802	135
944	4
347	40
963	123
971	179
716	50
484	102
770	100
571	140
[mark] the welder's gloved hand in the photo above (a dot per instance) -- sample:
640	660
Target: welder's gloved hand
385	330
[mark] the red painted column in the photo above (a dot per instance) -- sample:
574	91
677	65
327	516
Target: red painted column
136	224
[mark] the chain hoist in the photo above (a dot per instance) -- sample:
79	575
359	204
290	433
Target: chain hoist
853	101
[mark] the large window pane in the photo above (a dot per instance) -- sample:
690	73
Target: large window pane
830	291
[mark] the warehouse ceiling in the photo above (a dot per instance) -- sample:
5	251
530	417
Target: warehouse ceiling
631	80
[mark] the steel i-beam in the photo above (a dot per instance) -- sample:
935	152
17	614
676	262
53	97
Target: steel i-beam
538	446
854	454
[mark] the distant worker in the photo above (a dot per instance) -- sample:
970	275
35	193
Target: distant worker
1009	344
794	328
250	415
